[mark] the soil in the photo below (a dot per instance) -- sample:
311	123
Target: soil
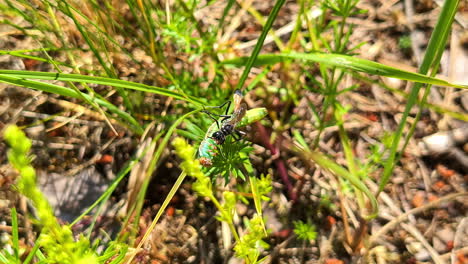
424	206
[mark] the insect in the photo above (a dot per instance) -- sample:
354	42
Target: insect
229	123
218	131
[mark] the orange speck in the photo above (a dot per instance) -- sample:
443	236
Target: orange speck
331	221
418	199
449	245
372	117
444	171
438	185
53	133
431	197
105	159
333	261
111	134
175	199
30	64
170	211
461	258
282	233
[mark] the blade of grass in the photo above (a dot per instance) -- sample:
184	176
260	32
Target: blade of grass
328	164
258	46
20	54
154	162
106	65
119	257
56	89
161	210
437	108
228	7
101	80
149	172
431	60
14	232
346	62
104	32
3	258
123	172
32	253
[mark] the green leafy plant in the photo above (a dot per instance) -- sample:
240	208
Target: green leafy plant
305	231
175	60
404	42
249	245
55	239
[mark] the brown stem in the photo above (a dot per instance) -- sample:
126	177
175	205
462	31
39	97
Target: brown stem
283	172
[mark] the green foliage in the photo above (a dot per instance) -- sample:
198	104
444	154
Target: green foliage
10	252
305	231
56	240
231	159
192	167
251	244
263	186
173	29
404	42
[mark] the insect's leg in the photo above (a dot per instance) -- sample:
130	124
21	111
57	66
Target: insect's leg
225	117
238	135
227	108
212	117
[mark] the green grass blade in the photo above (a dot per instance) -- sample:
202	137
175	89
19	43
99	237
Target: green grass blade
155	159
123	172
101	80
60	90
20	54
104	32
14	232
228	7
258	46
437	108
431	60
67	11
341	172
32	253
3	259
150	170
346	62
119	257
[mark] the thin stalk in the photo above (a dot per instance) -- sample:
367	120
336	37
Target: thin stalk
258	46
431	59
230	223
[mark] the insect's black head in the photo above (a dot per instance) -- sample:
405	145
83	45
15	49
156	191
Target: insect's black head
227	129
219	137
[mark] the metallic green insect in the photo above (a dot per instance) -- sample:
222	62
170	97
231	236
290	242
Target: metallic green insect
216	134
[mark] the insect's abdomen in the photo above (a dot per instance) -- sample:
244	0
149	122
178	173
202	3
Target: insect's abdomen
206	152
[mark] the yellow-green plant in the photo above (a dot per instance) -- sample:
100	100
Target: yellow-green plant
249	245
55	240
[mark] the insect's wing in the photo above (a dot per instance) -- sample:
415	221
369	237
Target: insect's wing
238	114
237	99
